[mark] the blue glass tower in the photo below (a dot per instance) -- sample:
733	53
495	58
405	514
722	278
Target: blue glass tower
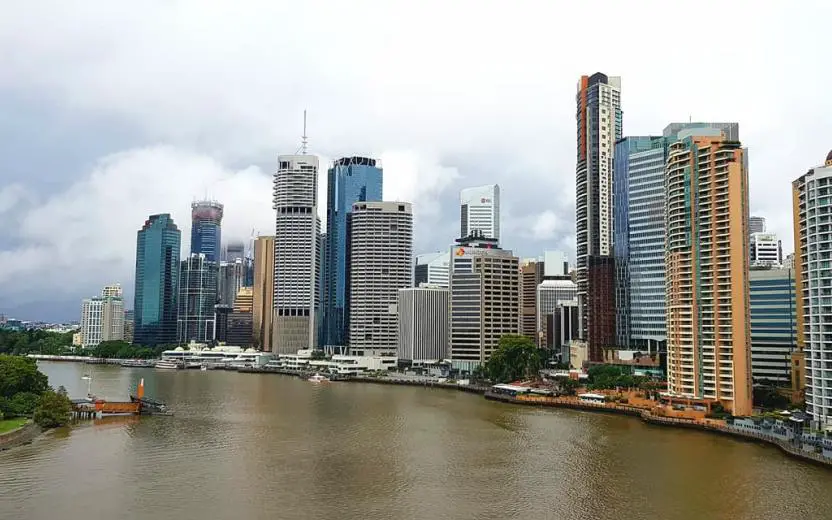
350	180
206	221
638	243
157	281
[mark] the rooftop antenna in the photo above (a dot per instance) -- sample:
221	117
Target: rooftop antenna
303	140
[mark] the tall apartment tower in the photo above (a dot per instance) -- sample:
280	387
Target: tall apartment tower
263	292
349	180
197	298
296	254
599	121
813	272
706	258
206	227
423	323
157	281
484	299
102	317
480	211
380	248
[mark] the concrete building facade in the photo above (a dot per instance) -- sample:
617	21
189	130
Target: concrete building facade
423	323
484	299
296	254
102	317
432	269
380	247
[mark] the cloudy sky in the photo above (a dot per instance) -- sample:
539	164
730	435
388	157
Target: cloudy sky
110	111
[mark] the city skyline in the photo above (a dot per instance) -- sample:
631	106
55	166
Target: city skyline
114	145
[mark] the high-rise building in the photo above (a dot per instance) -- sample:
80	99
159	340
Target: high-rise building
197	298
480	211
102	317
555	265
788	261
235	250
432	269
206	227
157	281
244	302
349	180
484	299
552	294
129	320
229	280
813	272
380	248
766	250
756	225
263	292
531	274
773	298
296	254
599	121
706	280
239	324
423	323
639	242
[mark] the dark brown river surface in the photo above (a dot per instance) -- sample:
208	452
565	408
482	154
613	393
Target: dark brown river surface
262	446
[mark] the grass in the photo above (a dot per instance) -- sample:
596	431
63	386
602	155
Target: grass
12	424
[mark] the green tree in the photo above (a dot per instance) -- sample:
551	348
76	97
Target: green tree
516	358
54	409
20	374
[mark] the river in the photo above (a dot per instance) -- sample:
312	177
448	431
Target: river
263	446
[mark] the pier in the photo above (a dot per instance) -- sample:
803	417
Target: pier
96	408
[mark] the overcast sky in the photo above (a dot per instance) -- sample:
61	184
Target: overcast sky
111	111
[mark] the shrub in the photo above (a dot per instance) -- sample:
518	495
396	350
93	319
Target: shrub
53	410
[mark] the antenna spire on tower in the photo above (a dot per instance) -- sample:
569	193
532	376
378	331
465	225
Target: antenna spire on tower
304	141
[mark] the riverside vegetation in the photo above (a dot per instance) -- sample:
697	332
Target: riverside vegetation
25	394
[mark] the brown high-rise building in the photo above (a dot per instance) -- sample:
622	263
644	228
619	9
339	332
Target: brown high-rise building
531	274
706	280
263	297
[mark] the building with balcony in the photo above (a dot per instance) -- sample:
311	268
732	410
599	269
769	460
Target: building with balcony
706	279
812	201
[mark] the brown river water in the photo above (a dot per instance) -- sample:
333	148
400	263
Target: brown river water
263	446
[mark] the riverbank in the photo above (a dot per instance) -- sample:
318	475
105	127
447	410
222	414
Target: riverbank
18	436
713	426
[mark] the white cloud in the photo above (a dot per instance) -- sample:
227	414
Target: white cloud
487	85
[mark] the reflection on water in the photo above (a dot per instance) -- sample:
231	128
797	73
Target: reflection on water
265	446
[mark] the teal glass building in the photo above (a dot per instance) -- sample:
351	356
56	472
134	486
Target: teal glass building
158	244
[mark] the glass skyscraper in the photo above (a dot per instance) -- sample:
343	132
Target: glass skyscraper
197	297
350	180
638	242
157	281
206	221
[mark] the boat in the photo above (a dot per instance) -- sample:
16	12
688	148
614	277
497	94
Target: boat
318	378
204	367
168	365
137	363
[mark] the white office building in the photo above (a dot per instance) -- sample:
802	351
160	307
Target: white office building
432	269
380	253
766	250
423	323
102	317
480	211
296	253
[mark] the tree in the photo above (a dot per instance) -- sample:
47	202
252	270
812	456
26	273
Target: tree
54	409
20	374
767	397
516	357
